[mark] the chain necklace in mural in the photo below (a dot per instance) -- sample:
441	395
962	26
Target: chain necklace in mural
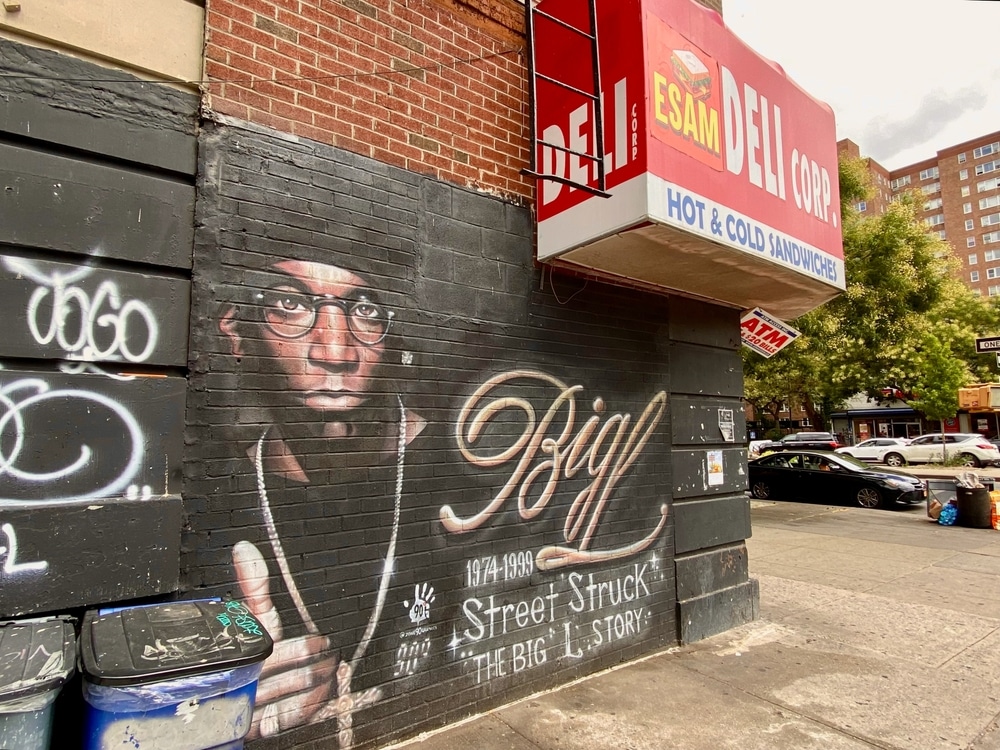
345	704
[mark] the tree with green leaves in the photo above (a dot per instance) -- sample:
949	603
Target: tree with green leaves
939	376
905	321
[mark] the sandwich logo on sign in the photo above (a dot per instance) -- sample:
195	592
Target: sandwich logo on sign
686	100
764	333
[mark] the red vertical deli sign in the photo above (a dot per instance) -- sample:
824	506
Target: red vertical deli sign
568	120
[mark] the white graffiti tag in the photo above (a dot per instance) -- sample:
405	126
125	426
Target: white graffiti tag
10	564
60	311
19	397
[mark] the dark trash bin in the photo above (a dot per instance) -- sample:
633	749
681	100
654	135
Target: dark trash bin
178	676
37	656
974	508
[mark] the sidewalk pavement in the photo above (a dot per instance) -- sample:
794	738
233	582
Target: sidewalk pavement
877	629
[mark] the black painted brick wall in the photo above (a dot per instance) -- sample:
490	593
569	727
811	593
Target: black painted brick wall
711	518
96	231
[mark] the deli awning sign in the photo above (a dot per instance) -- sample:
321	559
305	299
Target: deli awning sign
764	333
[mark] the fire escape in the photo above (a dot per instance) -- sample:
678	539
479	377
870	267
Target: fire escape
532	16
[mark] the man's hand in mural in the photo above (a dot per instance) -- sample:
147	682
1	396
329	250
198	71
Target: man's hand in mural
298	678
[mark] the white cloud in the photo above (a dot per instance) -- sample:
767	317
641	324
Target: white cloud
905	78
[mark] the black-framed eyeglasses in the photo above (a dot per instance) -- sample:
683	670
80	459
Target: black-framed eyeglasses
292	315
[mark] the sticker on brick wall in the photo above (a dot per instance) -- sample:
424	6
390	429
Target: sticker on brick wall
715	471
726	425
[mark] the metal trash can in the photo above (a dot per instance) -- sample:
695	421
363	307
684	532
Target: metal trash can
37	656
177	676
942	490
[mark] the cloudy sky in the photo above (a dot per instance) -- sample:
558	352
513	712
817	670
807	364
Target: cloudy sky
904	77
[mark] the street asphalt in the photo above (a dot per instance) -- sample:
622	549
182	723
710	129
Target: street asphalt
877	629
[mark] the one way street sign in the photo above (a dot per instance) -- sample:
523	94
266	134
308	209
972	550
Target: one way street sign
987	345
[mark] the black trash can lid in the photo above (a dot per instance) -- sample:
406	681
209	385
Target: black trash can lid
36	656
137	645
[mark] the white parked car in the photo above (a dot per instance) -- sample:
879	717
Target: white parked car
873	450
972	449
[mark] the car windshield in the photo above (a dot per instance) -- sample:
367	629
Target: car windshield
850	461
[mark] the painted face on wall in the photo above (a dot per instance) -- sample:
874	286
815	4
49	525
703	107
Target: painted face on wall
322	329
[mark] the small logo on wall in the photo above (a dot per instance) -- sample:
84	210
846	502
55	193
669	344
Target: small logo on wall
420	610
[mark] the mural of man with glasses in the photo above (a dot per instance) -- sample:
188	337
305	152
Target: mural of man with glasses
327	470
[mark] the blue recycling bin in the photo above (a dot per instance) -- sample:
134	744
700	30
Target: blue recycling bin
37	656
177	676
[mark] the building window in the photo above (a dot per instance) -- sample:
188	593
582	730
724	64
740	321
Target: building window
929	174
970	242
936	219
987	167
899	182
986	185
994	291
965	191
934	187
979	153
990	220
993	273
961	158
862	206
969	225
977	292
991	202
991	255
973	259
990	237
940	234
963	174
974	276
966	208
934	203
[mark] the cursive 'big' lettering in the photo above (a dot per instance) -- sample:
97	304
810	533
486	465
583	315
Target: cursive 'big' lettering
606	451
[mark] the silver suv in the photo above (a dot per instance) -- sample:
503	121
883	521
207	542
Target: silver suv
973	450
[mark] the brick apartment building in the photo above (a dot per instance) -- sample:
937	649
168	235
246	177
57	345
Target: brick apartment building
960	192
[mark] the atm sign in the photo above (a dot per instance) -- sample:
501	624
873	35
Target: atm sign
764	333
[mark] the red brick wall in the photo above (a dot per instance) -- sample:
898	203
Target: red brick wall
317	68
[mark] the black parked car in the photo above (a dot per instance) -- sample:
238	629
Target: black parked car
831	478
804	441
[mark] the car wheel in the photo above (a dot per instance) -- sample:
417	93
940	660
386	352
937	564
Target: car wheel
869	498
761	490
968	459
894	459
